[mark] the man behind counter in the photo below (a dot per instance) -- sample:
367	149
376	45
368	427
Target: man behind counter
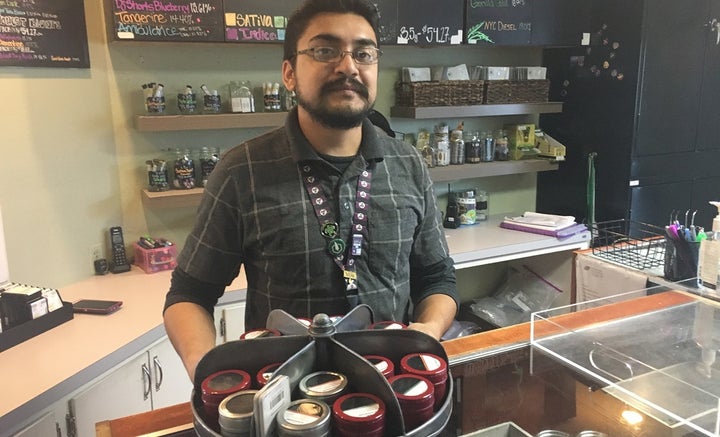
326	212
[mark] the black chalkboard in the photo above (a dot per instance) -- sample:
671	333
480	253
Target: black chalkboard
259	21
167	20
430	22
43	33
388	27
500	22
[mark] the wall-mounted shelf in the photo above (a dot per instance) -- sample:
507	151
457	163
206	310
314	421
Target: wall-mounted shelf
429	112
157	123
486	169
175	198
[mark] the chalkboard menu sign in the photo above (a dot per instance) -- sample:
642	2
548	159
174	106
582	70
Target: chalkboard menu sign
167	20
430	22
43	33
388	27
500	22
261	21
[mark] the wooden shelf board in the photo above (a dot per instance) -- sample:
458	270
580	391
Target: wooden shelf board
495	168
179	198
156	123
429	112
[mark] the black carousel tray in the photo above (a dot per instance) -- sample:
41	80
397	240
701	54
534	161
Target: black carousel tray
326	346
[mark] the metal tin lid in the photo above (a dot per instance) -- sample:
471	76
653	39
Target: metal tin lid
323	385
382	364
264	374
590	433
552	433
358	411
413	389
428	365
388	324
304	417
236	410
225	382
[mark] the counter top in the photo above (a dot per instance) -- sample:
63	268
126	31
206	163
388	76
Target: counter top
50	366
469	247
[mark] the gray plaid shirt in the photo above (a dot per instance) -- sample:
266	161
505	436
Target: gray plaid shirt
256	212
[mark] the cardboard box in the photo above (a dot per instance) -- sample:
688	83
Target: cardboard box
520	135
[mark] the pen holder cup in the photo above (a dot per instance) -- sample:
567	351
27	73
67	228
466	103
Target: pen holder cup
211	104
155	105
155	260
187	104
681	259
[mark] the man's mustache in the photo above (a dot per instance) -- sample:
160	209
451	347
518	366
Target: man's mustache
343	84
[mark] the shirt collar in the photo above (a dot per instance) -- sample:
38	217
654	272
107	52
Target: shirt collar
371	146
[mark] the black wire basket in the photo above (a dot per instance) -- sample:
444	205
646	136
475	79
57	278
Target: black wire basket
632	244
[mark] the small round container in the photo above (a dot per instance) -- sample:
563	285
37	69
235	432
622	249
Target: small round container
590	433
220	385
259	333
358	414
324	386
431	367
235	412
415	394
388	324
304	418
552	433
382	364
264	374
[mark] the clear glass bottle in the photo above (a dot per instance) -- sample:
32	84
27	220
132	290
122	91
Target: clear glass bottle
502	152
209	158
473	148
184	170
457	147
488	147
241	97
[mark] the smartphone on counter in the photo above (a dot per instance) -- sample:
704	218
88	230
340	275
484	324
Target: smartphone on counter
96	306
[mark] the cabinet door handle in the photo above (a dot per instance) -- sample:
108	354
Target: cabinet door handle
158	373
147	381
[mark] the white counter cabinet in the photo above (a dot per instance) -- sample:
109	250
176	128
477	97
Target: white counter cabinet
152	379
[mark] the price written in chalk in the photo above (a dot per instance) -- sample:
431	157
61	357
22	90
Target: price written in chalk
425	34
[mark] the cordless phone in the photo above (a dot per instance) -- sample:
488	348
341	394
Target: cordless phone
119	258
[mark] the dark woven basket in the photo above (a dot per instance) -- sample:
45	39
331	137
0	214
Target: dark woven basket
447	93
516	91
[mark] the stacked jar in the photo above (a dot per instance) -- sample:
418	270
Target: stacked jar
431	367
216	387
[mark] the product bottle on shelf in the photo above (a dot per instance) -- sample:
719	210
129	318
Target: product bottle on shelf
209	157
184	170
502	152
241	98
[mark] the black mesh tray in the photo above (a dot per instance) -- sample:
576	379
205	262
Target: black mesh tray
304	351
633	244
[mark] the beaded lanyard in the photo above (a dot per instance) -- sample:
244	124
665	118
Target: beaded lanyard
329	227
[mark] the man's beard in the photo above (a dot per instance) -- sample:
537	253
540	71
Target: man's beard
344	118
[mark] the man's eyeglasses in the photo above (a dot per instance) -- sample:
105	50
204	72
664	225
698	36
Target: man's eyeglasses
361	55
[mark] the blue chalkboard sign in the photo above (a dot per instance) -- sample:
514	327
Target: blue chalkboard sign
43	33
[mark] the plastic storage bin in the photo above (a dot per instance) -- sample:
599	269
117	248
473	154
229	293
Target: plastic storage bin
155	260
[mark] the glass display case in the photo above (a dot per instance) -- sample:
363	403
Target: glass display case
637	364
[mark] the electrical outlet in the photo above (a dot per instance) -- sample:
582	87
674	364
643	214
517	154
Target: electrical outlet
96	252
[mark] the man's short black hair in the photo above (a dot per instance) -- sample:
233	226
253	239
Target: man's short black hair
298	21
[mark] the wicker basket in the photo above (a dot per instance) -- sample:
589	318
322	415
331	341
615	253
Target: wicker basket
447	93
516	91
